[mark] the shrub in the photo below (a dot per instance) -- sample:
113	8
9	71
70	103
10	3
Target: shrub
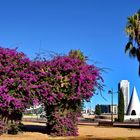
121	107
98	110
70	83
62	84
16	83
13	129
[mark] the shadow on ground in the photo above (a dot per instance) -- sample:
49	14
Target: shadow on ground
128	126
34	128
42	129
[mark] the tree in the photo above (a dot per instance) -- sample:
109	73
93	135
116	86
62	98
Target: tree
133	31
121	107
17	87
98	110
77	54
62	84
70	82
16	83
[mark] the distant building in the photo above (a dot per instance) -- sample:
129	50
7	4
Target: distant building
35	109
87	111
114	108
124	85
107	109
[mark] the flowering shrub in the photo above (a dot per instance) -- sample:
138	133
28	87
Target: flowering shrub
70	82
13	129
62	84
71	79
61	124
16	82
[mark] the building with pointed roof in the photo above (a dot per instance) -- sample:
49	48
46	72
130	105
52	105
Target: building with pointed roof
132	107
134	104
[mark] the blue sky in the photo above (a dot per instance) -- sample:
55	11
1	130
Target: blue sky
96	27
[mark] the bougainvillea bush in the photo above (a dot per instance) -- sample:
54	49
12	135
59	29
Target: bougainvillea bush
62	84
16	84
70	82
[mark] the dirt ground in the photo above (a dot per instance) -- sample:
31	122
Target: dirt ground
35	131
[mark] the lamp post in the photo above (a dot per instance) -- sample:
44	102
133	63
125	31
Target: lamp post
111	92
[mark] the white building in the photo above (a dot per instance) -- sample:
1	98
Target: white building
134	105
115	109
124	86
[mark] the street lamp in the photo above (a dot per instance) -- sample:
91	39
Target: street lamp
111	92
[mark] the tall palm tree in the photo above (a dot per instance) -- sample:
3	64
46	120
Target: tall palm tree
133	31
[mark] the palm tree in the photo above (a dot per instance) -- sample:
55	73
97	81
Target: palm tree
133	31
77	54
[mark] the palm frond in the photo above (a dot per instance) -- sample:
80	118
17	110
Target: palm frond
138	54
139	70
132	29
138	12
133	52
128	47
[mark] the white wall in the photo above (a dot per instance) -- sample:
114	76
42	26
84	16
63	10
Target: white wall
131	117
